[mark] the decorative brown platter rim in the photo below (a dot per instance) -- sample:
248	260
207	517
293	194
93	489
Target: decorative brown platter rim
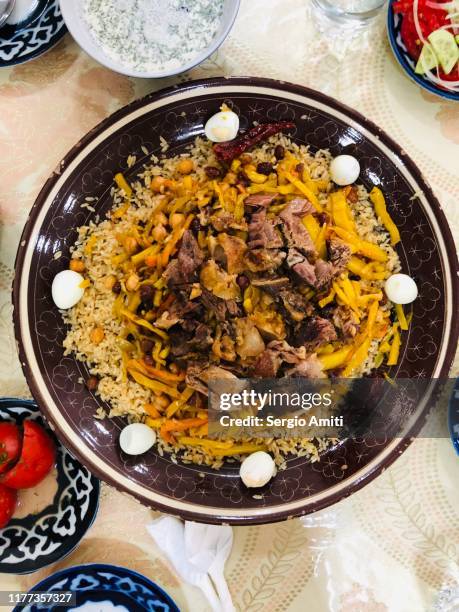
242	86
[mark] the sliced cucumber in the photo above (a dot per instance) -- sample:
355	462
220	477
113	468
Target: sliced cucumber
427	60
445	47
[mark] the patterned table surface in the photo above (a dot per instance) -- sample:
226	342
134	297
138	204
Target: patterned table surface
392	546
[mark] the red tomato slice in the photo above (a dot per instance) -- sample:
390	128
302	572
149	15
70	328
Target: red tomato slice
10	445
36	460
8	498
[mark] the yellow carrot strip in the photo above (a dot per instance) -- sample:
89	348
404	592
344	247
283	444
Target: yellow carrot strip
370	250
162	375
335	359
340	293
401	317
341	212
312	226
243	449
206	443
182	425
154	385
379	203
119	212
350	293
154	423
394	349
123	184
176	236
84	283
372	314
310	184
281	189
143	323
139	258
358	358
304	190
320	243
152	411
329	298
363	300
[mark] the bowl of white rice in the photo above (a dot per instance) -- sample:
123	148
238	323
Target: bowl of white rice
149	38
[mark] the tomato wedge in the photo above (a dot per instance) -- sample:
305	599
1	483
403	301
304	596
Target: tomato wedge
8	499
10	445
36	460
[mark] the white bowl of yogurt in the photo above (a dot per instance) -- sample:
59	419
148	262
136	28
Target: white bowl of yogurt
149	38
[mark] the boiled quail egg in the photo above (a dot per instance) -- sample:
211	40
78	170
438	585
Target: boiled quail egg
66	289
257	469
222	126
137	438
344	170
401	289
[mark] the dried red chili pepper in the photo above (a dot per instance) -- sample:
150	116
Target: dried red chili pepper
227	151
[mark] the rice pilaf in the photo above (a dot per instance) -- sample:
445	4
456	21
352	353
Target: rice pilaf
168	273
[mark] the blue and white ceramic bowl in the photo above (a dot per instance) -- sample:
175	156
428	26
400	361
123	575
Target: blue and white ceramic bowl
30	543
408	65
454	416
37	33
106	587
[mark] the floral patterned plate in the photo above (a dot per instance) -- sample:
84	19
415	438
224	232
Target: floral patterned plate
178	114
107	588
40	31
30	543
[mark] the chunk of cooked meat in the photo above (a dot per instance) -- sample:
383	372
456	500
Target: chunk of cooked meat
262	232
199	375
296	234
325	271
221	308
186	340
297	305
264	260
314	332
267	364
249	342
224	221
260	199
318	274
344	320
339	254
271	285
173	274
190	256
235	250
166	320
310	367
219	282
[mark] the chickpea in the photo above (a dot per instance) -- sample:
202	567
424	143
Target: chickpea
158	184
160	219
162	401
76	265
185	166
133	282
97	335
159	233
176	220
130	245
109	282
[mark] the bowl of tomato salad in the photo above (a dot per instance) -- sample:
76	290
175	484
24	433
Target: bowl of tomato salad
424	36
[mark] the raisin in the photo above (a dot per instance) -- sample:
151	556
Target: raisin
243	281
92	383
116	287
146	345
265	168
212	172
148	359
146	293
195	225
279	152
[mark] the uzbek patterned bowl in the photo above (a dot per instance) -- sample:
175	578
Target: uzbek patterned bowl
101	587
406	62
426	251
38	33
30	543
